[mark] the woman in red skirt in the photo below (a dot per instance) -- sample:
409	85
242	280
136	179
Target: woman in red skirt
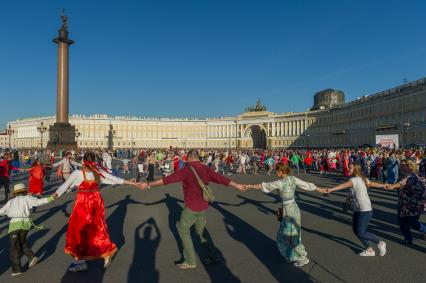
36	176
87	233
346	171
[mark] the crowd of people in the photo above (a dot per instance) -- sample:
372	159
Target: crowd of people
87	236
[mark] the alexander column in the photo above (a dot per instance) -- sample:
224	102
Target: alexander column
62	133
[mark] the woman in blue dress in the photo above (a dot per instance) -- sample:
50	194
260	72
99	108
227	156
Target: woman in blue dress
289	241
393	168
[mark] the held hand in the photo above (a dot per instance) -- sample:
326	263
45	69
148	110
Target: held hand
54	196
142	185
388	187
241	187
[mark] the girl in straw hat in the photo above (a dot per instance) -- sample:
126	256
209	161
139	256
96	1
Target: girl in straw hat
18	208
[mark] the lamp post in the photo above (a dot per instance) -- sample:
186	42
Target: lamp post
77	135
9	132
41	129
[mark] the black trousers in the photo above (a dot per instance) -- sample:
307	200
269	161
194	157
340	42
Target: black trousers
17	245
405	225
4	182
151	168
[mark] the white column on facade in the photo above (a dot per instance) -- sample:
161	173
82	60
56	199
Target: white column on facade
273	129
298	128
285	128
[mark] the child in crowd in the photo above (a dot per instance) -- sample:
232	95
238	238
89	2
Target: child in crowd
18	209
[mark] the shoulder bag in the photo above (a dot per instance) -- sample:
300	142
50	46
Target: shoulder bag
205	190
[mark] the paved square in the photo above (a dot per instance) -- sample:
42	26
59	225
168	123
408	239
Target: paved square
242	225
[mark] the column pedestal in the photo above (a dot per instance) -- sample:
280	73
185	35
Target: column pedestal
62	136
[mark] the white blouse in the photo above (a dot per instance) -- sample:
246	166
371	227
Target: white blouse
270	186
76	178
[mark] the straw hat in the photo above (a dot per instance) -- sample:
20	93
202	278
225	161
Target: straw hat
18	188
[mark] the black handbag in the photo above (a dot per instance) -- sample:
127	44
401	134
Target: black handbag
279	214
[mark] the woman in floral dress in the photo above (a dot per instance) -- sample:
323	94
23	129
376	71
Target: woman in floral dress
411	200
289	240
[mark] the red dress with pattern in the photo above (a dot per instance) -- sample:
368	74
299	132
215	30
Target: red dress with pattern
35	183
87	233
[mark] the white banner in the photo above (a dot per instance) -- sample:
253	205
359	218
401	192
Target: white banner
389	141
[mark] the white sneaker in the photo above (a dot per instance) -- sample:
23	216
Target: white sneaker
16	274
33	262
301	262
382	248
107	261
78	267
367	253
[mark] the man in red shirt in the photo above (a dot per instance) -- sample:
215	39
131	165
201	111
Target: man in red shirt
5	168
196	207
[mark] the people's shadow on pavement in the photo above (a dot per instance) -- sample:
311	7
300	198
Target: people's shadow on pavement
218	272
115	222
95	273
147	240
50	246
258	204
175	210
262	247
343	241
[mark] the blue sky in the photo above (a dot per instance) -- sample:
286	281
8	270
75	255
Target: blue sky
205	58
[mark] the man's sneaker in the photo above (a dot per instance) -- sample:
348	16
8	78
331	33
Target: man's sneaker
78	267
185	265
382	248
33	262
15	274
368	253
301	262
